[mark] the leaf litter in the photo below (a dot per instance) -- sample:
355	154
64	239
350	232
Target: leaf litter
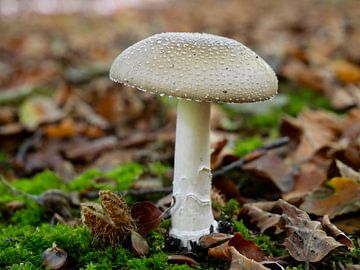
59	111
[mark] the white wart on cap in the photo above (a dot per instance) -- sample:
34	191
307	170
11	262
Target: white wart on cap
195	66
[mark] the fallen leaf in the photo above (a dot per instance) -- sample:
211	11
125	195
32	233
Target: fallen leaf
306	240
146	217
347	72
340	196
87	150
38	110
181	259
303	75
261	214
54	258
65	129
241	262
346	171
139	246
270	166
333	231
213	239
350	225
246	247
309	132
309	177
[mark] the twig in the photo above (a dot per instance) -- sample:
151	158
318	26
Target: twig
27	145
142	192
251	156
134	192
18	192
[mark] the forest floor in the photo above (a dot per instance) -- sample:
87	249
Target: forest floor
292	200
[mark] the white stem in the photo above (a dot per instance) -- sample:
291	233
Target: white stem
192	214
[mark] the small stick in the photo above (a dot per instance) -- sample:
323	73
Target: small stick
251	156
27	145
18	192
134	192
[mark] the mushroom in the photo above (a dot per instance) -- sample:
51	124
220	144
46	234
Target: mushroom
198	69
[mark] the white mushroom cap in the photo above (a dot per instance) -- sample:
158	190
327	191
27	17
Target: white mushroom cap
195	66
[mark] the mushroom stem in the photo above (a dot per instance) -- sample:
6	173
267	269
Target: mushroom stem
192	214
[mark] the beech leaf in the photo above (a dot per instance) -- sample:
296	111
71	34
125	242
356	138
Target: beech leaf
335	232
213	239
181	259
146	216
260	214
271	167
306	240
241	262
246	247
340	196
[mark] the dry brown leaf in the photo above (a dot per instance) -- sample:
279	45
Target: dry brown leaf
246	247
333	231
306	241
347	72
310	131
38	110
350	225
181	259
303	75
346	171
260	214
240	262
65	129
340	196
146	217
310	177
87	150
270	166
213	239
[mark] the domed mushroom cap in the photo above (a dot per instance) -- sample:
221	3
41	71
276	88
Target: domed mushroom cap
195	66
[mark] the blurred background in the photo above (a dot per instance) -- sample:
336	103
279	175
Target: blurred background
59	110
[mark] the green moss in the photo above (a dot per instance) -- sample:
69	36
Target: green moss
124	175
244	146
32	215
352	257
263	241
23	266
105	258
25	244
39	183
230	210
297	100
156	261
159	168
85	180
299	267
